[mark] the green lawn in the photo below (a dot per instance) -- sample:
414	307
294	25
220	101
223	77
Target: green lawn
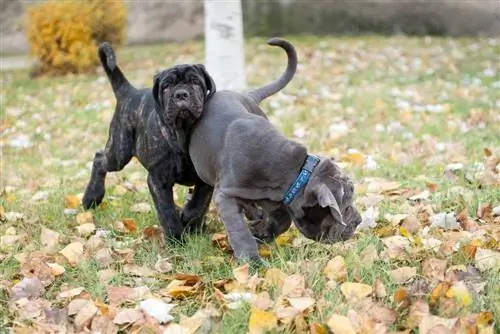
398	113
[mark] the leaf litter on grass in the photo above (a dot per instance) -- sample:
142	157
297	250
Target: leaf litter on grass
411	119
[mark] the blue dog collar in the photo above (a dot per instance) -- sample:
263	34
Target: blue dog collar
301	180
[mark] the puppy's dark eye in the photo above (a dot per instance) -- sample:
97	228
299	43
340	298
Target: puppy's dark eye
196	81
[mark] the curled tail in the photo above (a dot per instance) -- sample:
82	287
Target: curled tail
261	93
118	81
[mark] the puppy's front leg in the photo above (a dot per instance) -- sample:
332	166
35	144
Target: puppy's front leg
195	209
163	198
240	238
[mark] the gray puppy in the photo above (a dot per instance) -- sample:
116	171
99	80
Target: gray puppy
249	162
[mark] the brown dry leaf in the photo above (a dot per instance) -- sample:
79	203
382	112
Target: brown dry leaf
484	211
301	303
103	324
178	290
49	239
73	252
275	277
431	324
71	202
418	310
294	286
130	225
241	274
28	287
379	288
403	274
395	219
316	328
339	324
401	298
262	301
104	257
335	269
433	269
85	230
118	295
163	266
84	218
396	246
29	309
221	241
411	224
85	315
261	321
128	316
70	293
486	259
141	271
438	292
56	269
76	305
355	291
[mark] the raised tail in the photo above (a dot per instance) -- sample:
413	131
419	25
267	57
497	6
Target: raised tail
261	93
118	81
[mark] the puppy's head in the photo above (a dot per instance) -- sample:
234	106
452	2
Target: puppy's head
181	91
325	212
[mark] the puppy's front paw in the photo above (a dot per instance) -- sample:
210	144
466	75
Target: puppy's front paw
93	196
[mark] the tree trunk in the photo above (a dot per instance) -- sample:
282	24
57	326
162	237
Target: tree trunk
224	53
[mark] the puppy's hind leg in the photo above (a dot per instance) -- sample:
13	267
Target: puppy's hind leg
112	159
240	238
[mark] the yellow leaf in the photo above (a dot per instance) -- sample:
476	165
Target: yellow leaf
335	269
84	218
339	324
261	321
264	251
285	239
275	277
355	290
71	201
356	158
438	292
73	252
460	294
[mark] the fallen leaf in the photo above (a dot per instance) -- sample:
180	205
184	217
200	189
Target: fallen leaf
401	298
421	196
221	241
396	246
163	266
130	225
369	255
446	221
135	270
316	328
419	309
262	301
438	292
403	274
353	291
70	293
71	202
486	259
301	303
411	224
28	287
128	316
49	239
241	274
140	208
73	252
157	309
85	315
379	288
431	324
275	277
335	269
56	269
294	286
434	269
84	218
458	291
86	229
339	324
261	321
76	305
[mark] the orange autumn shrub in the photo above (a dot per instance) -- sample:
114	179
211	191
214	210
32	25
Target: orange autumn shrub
64	35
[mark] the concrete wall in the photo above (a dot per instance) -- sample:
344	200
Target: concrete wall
177	20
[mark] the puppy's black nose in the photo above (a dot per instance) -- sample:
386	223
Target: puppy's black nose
181	95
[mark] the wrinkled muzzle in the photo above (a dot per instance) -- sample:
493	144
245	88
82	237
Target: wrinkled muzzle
319	224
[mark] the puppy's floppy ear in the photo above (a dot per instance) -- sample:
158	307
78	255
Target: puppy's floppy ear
156	90
326	199
209	82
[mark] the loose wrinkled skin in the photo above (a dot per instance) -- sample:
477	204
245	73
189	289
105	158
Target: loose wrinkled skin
138	130
250	163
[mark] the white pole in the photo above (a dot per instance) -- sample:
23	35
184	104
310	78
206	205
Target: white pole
224	52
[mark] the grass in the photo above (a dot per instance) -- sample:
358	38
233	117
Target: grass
359	81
